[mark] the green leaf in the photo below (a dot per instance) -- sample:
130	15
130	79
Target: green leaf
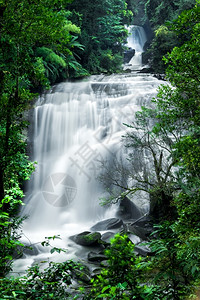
106	288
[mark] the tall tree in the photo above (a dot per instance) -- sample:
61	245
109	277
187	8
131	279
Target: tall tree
27	30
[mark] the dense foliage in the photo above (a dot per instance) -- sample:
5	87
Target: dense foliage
44	285
160	15
103	33
123	277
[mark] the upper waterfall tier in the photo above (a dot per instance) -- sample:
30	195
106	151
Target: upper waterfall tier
136	40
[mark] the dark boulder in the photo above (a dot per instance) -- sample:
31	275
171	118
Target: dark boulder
87	238
160	76
142	227
144	222
31	250
108	224
81	276
128	210
143	250
134	238
22	251
107	236
146	70
127	70
96	272
143	233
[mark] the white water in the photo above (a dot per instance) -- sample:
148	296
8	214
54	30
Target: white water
136	40
76	125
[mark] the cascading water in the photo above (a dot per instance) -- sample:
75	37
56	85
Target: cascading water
136	40
76	125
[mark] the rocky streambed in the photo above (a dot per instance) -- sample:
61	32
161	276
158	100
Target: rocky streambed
98	239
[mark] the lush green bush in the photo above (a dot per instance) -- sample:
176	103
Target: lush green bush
52	283
161	15
123	277
103	33
164	41
158	12
16	169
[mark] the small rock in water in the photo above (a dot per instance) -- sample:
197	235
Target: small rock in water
128	54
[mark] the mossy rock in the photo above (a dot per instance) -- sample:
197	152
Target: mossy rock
87	238
81	276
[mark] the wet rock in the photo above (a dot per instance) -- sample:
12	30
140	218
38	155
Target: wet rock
143	233
108	224
160	76
143	250
31	250
87	238
96	272
134	239
128	210
145	222
141	227
107	236
22	251
146	70
82	276
127	70
104	264
96	257
128	54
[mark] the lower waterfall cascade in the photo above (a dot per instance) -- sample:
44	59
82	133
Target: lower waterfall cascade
76	125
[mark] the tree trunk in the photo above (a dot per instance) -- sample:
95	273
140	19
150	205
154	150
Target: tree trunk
1	184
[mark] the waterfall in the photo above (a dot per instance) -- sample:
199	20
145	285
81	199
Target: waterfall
76	125
136	40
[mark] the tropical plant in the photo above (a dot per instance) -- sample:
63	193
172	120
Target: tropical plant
103	33
51	283
122	278
25	29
